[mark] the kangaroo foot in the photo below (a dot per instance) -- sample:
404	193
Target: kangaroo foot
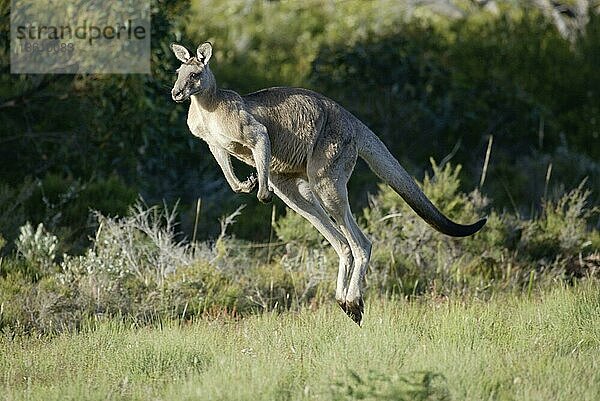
354	309
342	304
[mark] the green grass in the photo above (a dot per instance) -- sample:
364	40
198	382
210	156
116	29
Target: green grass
546	347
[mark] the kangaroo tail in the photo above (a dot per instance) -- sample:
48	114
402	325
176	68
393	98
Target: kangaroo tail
381	161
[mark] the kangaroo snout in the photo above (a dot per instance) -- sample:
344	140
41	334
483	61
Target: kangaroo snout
177	96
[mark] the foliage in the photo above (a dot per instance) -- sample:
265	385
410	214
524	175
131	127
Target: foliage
294	229
562	227
409	257
79	129
137	267
37	247
260	44
413	258
140	267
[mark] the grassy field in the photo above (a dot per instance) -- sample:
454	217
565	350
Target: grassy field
546	347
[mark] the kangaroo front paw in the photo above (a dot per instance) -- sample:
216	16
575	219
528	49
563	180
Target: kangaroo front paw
265	196
248	185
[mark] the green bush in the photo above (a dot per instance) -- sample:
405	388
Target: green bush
38	248
562	229
293	228
409	257
137	268
200	288
15	290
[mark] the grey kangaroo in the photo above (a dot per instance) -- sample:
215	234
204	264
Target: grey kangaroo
304	147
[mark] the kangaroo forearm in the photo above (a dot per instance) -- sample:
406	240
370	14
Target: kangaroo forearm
224	162
231	179
262	158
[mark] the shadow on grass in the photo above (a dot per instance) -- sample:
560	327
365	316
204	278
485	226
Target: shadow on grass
411	386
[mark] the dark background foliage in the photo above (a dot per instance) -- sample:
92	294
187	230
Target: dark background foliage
430	84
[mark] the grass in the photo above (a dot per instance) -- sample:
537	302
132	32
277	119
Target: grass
544	347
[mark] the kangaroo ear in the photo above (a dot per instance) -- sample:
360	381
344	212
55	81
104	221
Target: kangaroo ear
204	52
181	52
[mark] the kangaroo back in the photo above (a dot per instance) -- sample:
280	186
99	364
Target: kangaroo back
381	161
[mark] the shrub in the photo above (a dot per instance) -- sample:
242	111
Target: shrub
38	248
295	229
409	257
129	260
199	288
138	268
562	229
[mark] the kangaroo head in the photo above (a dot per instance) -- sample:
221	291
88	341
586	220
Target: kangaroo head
193	76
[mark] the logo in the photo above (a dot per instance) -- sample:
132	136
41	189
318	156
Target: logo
80	37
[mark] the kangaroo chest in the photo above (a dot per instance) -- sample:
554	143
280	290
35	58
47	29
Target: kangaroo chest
216	130
212	129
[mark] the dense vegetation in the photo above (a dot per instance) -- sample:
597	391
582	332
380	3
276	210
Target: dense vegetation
137	268
76	152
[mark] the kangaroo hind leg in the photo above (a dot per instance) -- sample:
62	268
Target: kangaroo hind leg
296	193
335	201
328	177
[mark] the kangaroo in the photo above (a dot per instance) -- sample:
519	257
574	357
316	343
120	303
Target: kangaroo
304	147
